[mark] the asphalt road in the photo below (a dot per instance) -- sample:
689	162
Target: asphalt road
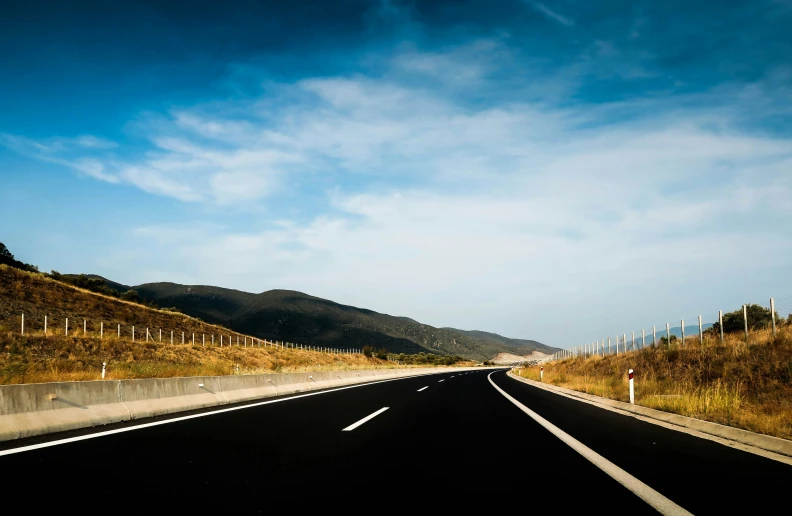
447	442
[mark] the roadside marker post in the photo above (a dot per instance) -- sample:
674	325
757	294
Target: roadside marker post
720	323
632	389
104	367
541	374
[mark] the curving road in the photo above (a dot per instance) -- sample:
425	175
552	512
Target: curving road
448	441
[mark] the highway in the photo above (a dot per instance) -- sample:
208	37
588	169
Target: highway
447	441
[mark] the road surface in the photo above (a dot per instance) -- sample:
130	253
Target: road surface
447	441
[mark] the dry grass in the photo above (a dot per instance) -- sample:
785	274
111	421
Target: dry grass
745	385
36	357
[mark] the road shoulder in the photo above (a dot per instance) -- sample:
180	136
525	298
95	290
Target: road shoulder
763	445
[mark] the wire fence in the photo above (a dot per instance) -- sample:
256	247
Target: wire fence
693	328
86	328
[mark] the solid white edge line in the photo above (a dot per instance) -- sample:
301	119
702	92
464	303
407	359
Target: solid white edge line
184	418
365	419
662	504
423	388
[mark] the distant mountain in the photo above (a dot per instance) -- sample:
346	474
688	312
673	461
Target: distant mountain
516	346
297	317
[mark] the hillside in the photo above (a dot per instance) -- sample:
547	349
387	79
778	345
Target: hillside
515	346
136	341
297	317
739	383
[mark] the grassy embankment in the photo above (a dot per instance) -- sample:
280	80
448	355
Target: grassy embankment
741	384
36	357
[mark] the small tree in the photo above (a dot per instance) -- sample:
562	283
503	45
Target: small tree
734	322
131	295
368	350
5	254
381	353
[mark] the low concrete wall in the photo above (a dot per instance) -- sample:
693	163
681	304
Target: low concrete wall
35	409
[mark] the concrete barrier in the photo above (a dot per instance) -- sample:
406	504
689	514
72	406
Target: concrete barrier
35	409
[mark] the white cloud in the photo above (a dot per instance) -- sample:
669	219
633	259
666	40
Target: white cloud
519	217
92	142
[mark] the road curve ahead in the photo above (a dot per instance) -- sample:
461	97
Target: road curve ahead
447	441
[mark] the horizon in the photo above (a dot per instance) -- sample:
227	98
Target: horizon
556	171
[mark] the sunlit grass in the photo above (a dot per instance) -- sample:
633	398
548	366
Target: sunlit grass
736	383
56	356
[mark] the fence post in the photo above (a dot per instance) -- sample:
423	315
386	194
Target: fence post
67	326
668	334
23	323
745	318
654	336
632	389
172	337
101	330
119	331
45	325
133	334
85	327
643	338
701	332
720	323
221	340
160	335
772	315
213	339
632	344
683	332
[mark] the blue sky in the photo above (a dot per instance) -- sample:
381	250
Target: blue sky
561	171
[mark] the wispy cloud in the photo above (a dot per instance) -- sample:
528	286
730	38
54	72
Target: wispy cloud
489	203
542	8
65	152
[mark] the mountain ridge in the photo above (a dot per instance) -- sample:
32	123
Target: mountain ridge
294	316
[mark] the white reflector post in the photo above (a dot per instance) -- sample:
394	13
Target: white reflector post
632	389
